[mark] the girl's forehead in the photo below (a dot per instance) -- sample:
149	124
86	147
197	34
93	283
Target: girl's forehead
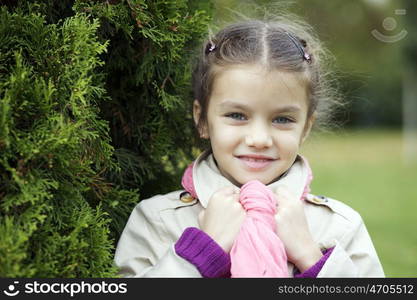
252	84
236	74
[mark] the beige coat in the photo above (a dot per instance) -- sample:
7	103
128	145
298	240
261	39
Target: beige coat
145	248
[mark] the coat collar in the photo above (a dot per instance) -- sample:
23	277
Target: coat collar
208	179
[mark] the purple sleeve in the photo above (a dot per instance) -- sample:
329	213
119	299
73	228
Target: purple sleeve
202	251
313	271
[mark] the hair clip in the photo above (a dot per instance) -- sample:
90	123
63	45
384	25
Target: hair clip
210	47
304	54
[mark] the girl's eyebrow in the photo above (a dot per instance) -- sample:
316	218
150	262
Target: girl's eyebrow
288	108
227	104
233	104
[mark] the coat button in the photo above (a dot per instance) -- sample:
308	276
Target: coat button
323	198
186	197
319	199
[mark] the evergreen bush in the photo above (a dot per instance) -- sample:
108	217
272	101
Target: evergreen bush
92	114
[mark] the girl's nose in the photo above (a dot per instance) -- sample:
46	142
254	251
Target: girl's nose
258	137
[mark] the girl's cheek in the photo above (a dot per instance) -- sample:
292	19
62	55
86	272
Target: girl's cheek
225	130
287	141
227	136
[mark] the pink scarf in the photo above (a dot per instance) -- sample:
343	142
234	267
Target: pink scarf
257	250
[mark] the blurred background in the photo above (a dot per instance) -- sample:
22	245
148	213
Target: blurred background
370	162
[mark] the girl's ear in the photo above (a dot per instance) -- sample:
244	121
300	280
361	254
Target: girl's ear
308	126
196	115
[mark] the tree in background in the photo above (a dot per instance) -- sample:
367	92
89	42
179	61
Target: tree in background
409	86
92	113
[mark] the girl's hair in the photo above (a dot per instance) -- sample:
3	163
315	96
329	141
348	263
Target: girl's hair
276	44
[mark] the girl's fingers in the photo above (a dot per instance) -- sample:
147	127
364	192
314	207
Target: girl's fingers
231	191
282	192
283	195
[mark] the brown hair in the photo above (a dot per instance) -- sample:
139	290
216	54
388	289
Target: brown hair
278	44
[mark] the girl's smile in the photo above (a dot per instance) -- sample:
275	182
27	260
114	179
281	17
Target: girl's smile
256	162
256	121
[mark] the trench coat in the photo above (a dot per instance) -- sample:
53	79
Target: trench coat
146	245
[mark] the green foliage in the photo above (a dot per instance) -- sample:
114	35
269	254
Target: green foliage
148	80
52	147
93	109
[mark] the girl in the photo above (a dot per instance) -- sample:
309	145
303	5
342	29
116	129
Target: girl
259	88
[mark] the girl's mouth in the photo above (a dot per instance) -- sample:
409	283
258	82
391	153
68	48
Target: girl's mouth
255	164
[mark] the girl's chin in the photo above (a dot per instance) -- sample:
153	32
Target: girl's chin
241	180
245	180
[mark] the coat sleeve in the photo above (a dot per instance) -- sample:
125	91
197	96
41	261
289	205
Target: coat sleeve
354	254
144	251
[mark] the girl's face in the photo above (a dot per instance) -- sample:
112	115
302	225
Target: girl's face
257	120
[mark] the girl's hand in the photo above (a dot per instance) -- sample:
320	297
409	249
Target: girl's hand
222	218
292	229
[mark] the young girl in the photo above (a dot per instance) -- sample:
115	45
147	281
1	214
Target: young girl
246	210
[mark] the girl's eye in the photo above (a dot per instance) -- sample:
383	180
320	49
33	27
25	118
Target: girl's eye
236	116
282	120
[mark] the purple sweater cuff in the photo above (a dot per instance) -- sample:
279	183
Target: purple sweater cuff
316	268
202	251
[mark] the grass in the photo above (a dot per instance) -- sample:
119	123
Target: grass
366	170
